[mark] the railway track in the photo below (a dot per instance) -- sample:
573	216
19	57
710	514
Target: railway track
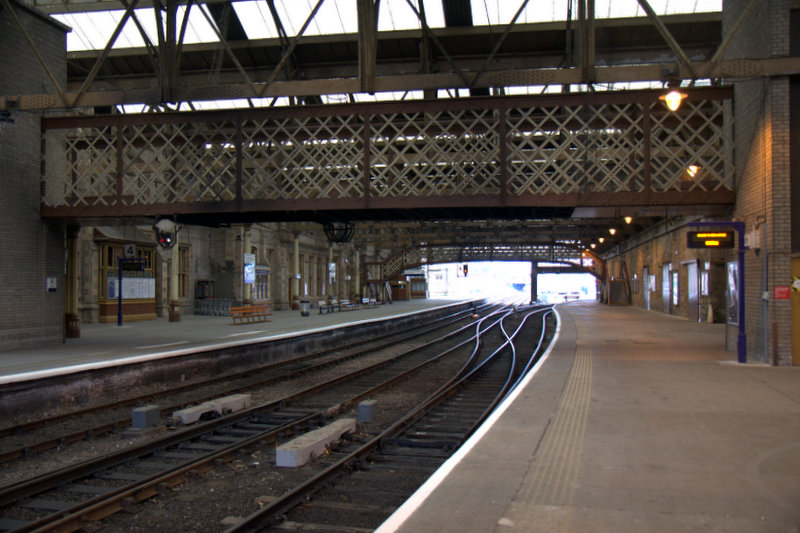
36	436
370	479
65	499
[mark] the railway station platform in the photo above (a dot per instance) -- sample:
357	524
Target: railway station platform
635	422
107	345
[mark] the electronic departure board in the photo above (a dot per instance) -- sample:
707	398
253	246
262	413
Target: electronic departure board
710	239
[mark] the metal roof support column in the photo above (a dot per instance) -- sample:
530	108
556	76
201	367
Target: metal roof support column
587	39
367	43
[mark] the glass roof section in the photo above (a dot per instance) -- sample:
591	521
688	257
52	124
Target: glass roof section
91	30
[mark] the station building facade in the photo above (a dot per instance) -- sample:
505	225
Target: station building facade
208	266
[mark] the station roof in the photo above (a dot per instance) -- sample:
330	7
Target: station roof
225	47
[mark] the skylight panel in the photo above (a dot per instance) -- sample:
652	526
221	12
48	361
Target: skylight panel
198	30
494	12
256	19
92	30
335	16
617	9
398	15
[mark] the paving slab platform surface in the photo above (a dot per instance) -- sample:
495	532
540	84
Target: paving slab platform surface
636	422
109	344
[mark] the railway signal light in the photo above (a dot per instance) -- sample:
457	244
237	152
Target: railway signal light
166	233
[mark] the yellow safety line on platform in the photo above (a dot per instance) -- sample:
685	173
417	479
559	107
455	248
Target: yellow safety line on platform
550	487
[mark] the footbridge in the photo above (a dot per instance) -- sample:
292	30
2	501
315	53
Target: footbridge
474	156
572	256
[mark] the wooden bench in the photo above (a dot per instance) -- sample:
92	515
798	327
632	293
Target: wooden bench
247	314
329	307
347	305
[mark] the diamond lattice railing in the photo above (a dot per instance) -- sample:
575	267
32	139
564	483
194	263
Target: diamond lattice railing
699	138
434	154
565	150
303	158
460	153
178	162
81	167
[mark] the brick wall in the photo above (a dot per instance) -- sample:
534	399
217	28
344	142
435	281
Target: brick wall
31	250
763	193
665	244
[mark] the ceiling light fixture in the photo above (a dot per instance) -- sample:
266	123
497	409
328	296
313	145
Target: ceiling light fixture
673	99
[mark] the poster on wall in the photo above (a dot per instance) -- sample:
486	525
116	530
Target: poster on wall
733	293
249	268
132	288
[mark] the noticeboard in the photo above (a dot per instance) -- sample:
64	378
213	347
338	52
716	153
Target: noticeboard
710	239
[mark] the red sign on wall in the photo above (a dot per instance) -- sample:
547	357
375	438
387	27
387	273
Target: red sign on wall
783	293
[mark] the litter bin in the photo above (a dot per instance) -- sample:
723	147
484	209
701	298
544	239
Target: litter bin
305	307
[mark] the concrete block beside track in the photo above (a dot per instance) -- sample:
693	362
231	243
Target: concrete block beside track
220	406
145	417
366	411
229	404
300	450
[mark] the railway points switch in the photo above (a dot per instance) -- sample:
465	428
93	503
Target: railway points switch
302	449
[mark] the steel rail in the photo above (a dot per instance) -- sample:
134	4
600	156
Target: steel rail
113	425
105	504
273	512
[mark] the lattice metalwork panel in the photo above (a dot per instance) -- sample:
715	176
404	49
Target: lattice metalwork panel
495	150
303	158
578	149
434	154
692	150
80	167
178	162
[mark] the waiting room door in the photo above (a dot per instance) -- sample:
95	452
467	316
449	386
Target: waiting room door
693	291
